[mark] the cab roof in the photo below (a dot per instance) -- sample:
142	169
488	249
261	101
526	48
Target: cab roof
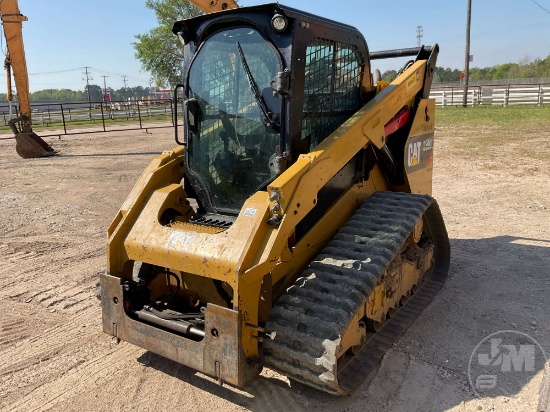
292	13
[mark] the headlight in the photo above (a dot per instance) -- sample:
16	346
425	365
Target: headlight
279	22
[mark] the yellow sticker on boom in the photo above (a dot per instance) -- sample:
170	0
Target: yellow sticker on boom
413	80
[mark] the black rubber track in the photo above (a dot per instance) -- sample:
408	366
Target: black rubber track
309	320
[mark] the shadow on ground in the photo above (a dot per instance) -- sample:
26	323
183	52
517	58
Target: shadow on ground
110	154
494	284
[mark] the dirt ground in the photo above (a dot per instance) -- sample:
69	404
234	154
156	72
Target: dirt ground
54	215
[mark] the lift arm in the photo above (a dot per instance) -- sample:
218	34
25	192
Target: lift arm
211	6
28	143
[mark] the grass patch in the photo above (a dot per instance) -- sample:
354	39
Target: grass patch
120	119
496	133
493	115
83	124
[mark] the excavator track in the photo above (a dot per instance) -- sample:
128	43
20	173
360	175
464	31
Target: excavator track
307	323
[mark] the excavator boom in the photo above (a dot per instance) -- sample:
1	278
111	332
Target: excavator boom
28	144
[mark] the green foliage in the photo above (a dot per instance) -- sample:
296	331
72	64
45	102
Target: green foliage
130	92
446	75
525	69
63	95
389	75
159	50
96	94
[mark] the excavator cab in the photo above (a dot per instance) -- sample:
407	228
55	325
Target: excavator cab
262	86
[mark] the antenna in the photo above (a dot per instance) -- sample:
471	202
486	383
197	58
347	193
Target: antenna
125	86
419	34
88	78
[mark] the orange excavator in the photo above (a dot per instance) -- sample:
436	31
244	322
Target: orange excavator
28	143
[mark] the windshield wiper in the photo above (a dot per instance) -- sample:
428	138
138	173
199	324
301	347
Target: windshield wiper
270	118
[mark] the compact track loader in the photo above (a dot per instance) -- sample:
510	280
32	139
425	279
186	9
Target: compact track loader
292	227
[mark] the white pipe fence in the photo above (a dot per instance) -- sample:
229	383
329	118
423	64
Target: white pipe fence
493	95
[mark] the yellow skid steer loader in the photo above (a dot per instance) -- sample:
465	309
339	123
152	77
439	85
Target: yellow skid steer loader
293	225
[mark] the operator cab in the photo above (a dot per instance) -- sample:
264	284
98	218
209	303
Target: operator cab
262	85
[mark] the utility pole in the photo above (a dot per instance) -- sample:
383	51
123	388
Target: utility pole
125	86
419	35
467	56
88	78
105	88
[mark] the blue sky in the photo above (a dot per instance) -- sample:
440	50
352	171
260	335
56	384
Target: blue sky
66	35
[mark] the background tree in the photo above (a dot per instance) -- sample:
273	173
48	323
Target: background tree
60	95
96	93
443	75
159	50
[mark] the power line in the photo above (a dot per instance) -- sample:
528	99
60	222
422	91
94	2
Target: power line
54	72
546	10
119	74
91	68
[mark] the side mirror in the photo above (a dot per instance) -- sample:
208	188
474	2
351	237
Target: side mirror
192	110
